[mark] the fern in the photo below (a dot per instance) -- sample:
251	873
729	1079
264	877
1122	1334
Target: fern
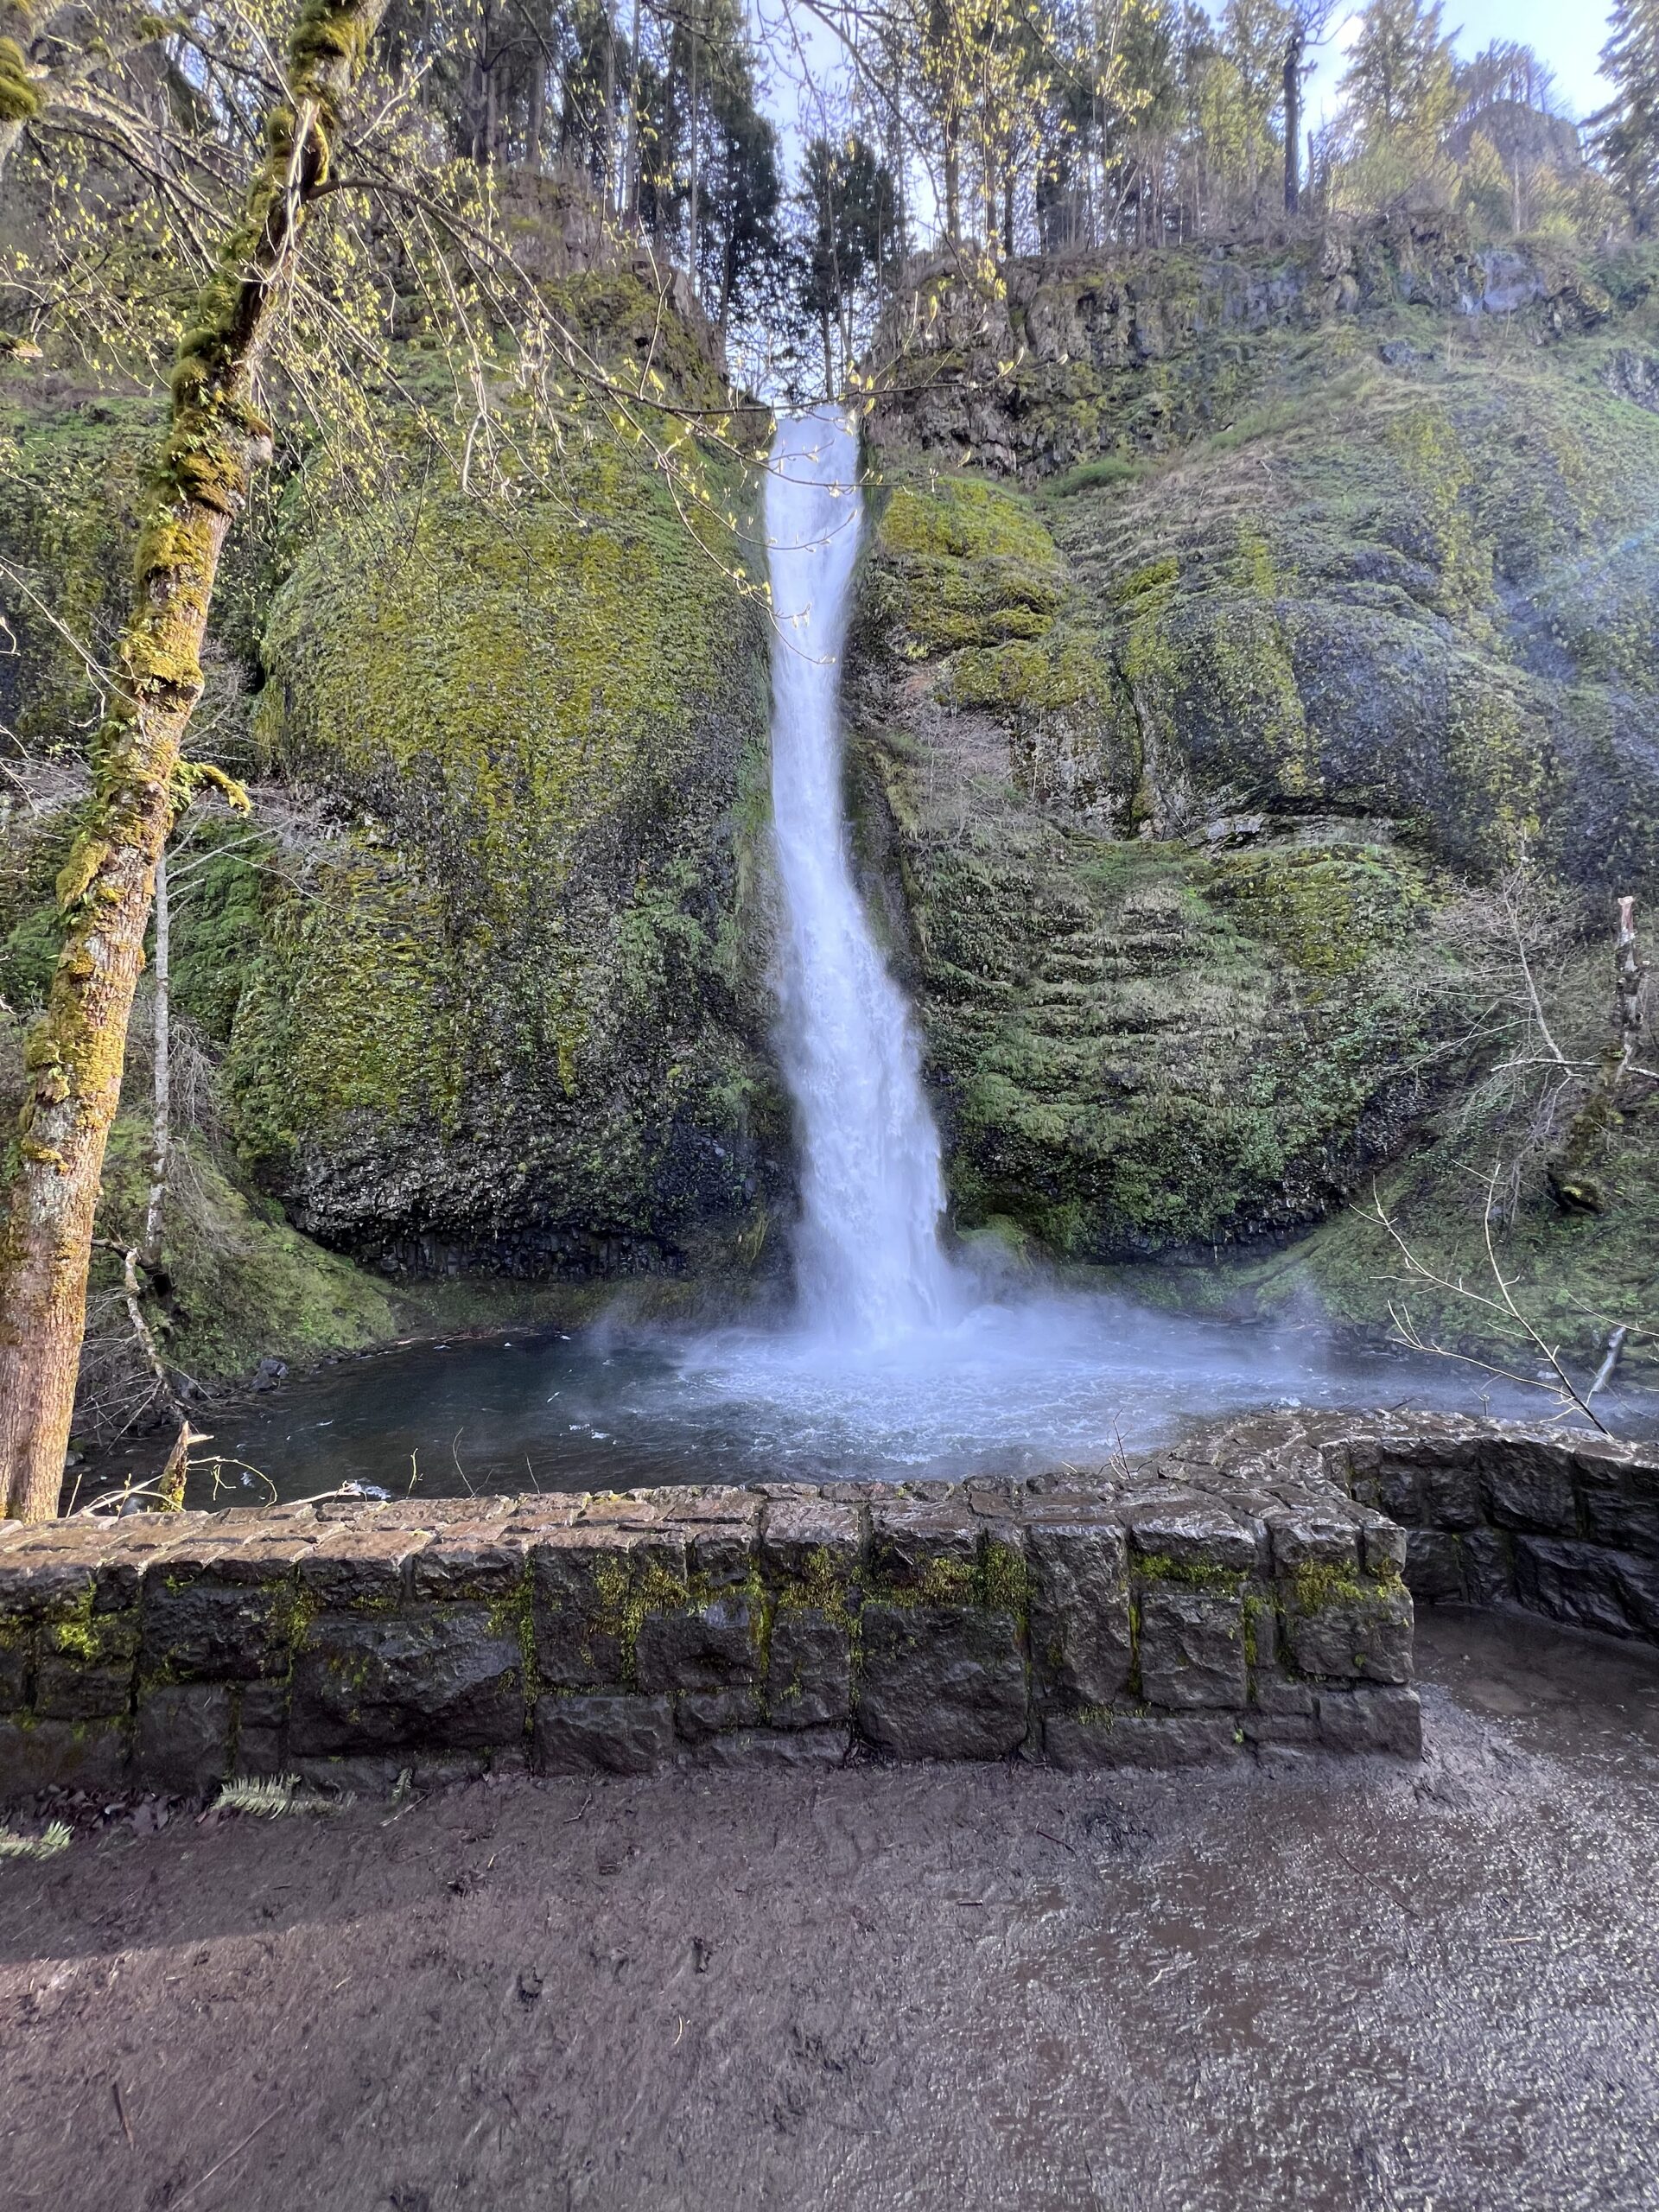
56	1839
271	1795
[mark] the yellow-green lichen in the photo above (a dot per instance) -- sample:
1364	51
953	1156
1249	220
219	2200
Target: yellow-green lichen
823	1581
1193	1574
626	1589
1319	1583
1004	1579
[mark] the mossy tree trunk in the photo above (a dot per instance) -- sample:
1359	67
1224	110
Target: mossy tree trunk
215	439
20	77
150	1251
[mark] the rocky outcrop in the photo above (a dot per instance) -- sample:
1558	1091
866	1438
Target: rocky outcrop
518	1023
1041	364
1227	614
1149	1023
502	1006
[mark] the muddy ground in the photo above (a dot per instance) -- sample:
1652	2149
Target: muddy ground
1356	1986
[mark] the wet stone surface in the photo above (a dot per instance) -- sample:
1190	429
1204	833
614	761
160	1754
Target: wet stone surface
1249	1592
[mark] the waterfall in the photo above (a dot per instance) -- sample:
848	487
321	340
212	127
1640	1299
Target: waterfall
868	1263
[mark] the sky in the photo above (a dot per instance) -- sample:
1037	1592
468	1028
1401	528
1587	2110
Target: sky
1568	38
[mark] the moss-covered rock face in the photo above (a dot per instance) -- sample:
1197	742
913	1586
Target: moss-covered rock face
1223	613
1137	1043
71	471
71	466
1356	540
1042	366
241	1283
502	1003
519	1023
1291	592
1423	589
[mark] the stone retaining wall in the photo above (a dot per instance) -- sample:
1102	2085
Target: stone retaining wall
1251	1589
1560	1522
1140	1618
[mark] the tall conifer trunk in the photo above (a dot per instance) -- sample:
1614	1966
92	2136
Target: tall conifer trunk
1293	116
215	439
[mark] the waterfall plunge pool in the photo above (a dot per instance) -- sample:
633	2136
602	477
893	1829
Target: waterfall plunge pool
1036	1382
896	1363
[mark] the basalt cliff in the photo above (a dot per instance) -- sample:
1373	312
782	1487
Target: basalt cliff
1244	638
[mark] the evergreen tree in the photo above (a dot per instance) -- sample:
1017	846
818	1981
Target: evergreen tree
854	237
739	239
1306	23
1401	79
1244	100
1625	133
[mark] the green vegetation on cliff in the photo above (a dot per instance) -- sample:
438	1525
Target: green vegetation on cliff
241	1285
1137	1042
1297	591
1349	593
483	985
518	1010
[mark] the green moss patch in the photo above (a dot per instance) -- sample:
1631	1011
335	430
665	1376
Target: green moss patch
529	987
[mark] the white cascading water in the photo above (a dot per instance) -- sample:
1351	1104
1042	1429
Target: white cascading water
869	1262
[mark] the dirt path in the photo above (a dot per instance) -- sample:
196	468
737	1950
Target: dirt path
1344	1986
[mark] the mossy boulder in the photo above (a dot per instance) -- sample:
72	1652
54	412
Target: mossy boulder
518	1021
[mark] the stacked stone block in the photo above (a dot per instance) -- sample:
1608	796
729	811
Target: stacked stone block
1127	1617
1561	1522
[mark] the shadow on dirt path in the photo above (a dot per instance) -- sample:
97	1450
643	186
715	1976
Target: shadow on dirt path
1363	1986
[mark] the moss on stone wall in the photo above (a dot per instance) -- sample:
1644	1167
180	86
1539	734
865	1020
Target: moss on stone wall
1137	1042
